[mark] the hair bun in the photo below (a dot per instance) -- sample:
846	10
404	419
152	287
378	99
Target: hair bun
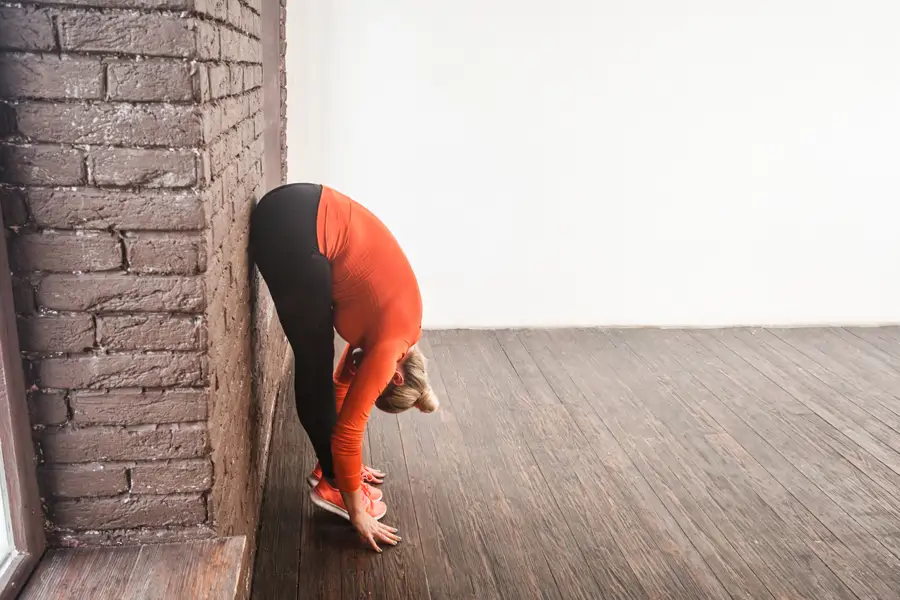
428	401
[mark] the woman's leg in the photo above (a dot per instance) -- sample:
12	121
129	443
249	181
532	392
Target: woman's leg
284	246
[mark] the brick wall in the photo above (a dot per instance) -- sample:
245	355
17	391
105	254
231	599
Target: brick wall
131	155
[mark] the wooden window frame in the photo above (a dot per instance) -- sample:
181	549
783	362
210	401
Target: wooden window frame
19	460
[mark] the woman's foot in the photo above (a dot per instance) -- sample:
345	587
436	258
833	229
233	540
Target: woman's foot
316	476
328	497
369	475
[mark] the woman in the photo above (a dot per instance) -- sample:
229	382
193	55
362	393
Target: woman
331	264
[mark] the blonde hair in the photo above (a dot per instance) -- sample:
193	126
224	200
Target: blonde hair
415	389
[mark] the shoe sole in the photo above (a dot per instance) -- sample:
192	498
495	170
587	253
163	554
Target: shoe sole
334	508
313	482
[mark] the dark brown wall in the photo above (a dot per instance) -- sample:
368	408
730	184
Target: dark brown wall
132	152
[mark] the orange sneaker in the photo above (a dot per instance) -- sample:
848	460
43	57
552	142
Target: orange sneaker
329	498
315	477
367	475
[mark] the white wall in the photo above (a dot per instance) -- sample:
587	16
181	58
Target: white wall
615	162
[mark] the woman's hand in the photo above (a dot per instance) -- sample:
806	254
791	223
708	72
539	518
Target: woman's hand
372	531
369	529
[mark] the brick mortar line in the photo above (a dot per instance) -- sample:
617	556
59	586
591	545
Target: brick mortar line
16	100
114	353
131	464
219	137
21	141
79	233
128	189
120	428
130	494
149	390
64	8
120	56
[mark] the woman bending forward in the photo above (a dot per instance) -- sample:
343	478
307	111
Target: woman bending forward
330	264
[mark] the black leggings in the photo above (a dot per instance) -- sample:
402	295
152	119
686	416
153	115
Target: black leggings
284	245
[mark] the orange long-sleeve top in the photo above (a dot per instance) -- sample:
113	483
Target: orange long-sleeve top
377	307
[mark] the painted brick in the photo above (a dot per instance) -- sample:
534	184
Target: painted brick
208	43
91	208
121	293
153	80
47	408
13	206
141	4
80	481
41	165
236	79
56	333
151	332
219	82
65	252
121	370
110	443
233	12
129	511
172	477
109	123
49	76
23	295
138	407
150	168
149	34
167	254
215	8
25	28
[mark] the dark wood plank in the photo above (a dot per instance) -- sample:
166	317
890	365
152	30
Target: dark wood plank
664	561
886	339
517	563
831	462
281	524
839	341
729	501
440	477
843	415
873	400
322	536
539	392
655	351
862	369
520	488
208	569
752	400
811	427
402	568
82	573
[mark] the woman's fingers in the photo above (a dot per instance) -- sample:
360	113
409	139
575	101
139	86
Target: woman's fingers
373	543
391	538
388	534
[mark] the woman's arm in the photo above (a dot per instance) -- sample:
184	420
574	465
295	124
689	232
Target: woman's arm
372	377
343	375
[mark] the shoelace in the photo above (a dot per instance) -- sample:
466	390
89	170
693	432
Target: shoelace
367	474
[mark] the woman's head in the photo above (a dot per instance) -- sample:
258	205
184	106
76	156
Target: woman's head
411	388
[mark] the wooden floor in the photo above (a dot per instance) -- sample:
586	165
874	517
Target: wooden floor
198	570
618	464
